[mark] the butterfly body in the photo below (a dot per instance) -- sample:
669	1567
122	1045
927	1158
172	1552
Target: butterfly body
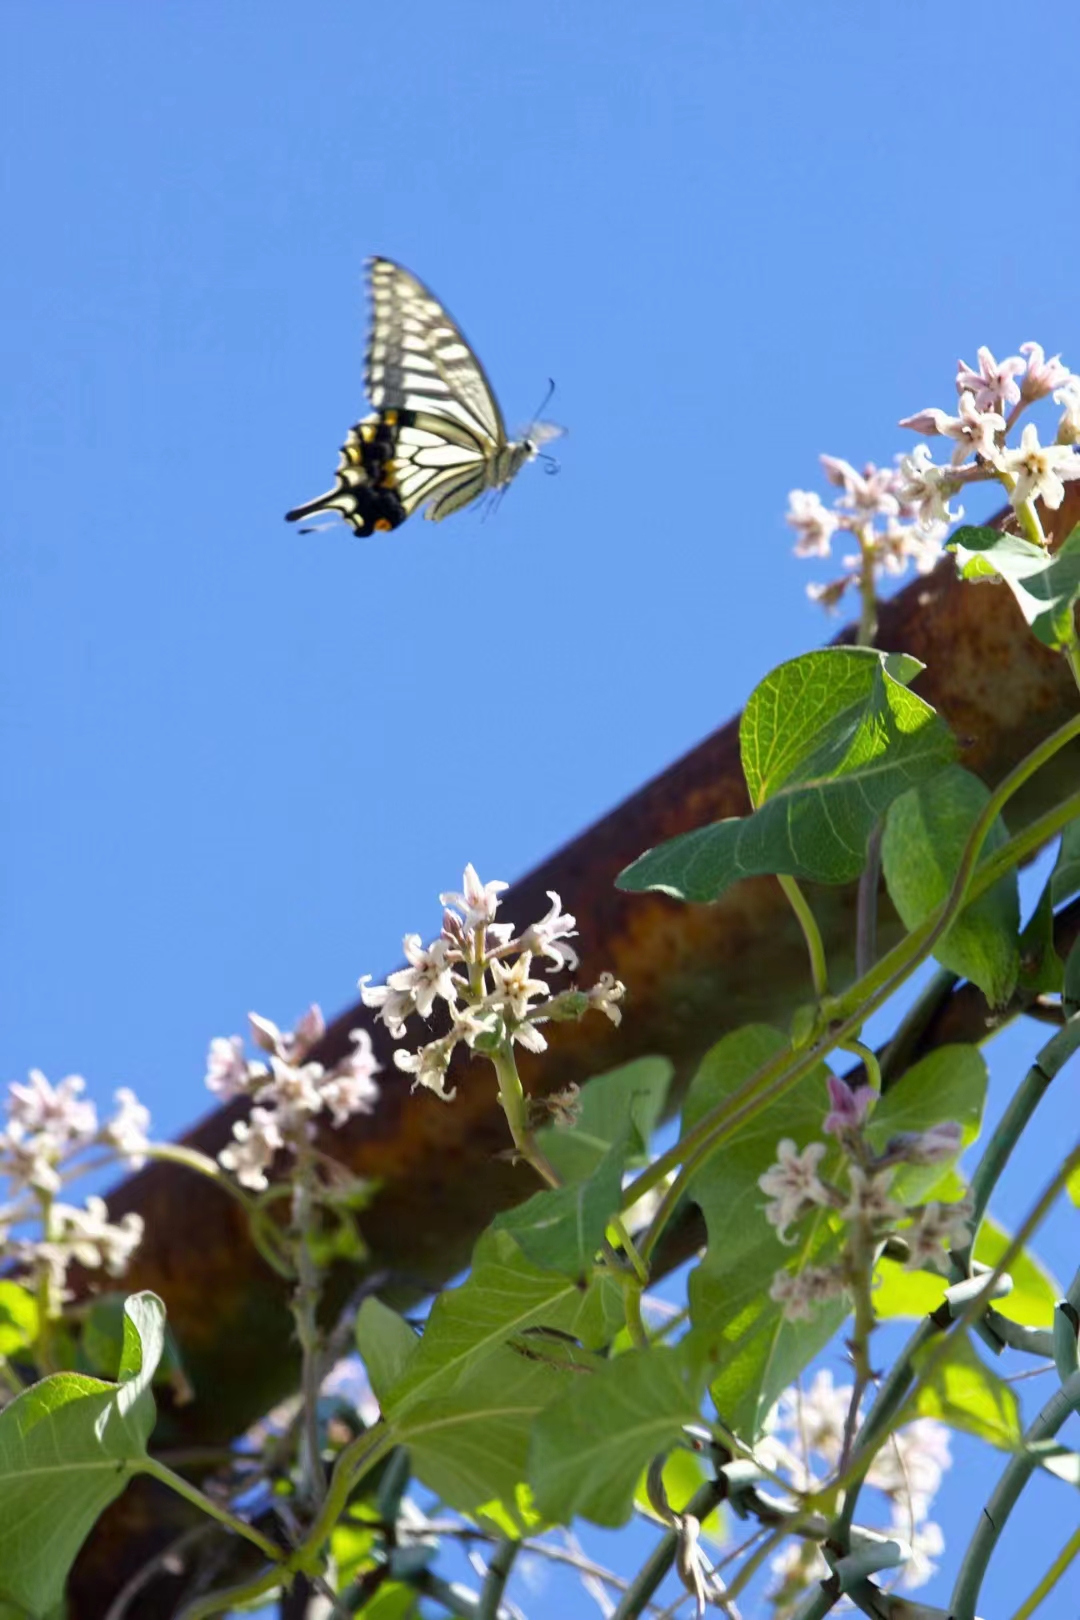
436	438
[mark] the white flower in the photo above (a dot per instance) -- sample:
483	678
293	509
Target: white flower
392	1006
815	1418
869	492
869	1201
935	1229
974	430
925	489
294	1088
477	901
127	1129
548	936
513	988
801	1293
350	1086
927	1543
993	384
291	1045
249	1155
428	1067
428	975
1039	469
1042	375
227	1072
1069	427
605	996
90	1238
812	521
910	1467
56	1111
29	1160
792	1183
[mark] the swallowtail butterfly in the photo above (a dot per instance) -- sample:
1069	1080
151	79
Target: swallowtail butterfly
436	437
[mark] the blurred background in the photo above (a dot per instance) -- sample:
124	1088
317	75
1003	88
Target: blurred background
241	762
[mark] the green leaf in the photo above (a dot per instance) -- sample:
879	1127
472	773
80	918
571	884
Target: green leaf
18	1318
514	1517
386	1344
926	831
561	1229
504	1296
1040	964
633	1093
948	1084
828	742
469	1443
591	1445
755	1353
68	1446
1046	586
1070	982
1035	1290
1065	878
964	1393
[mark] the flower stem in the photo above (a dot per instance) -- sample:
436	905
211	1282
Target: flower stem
516	1108
304	1304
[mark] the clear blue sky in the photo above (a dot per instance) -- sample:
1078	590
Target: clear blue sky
241	761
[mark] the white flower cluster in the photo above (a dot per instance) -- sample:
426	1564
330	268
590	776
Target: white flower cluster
289	1092
481	971
902	515
48	1128
794	1187
808	1425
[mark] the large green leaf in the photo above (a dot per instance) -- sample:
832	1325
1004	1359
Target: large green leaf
561	1229
590	1446
828	741
755	1352
964	1393
926	831
68	1447
18	1318
1046	586
386	1344
504	1297
469	1444
631	1095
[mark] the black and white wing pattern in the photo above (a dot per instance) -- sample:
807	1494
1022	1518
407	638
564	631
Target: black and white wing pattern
436	438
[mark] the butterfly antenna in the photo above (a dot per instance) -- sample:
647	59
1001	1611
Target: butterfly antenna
545	402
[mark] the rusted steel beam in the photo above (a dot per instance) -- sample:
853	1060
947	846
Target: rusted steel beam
692	973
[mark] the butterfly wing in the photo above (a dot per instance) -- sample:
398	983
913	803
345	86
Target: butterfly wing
365	493
418	359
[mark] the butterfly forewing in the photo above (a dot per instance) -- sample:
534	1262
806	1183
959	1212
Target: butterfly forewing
418	360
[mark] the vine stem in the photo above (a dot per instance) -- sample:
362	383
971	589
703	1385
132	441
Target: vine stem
995	1515
498	1573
